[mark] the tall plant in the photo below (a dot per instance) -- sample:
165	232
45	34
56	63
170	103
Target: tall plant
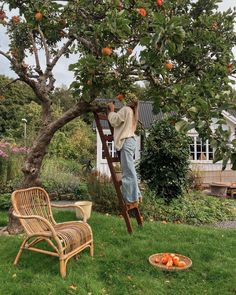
165	160
11	159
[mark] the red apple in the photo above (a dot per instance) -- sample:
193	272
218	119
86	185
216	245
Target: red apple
38	16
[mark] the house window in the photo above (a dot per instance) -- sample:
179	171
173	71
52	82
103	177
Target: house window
200	150
111	148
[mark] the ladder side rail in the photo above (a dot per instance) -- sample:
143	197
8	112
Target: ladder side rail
109	161
116	183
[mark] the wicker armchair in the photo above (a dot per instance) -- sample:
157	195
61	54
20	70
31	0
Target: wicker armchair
33	208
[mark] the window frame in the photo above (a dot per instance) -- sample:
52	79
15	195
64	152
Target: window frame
209	150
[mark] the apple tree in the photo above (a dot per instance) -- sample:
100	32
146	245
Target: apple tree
181	48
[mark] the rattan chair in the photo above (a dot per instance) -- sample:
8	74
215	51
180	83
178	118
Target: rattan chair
33	208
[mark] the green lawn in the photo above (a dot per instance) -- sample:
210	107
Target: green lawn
120	265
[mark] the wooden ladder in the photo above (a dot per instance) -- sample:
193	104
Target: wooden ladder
110	160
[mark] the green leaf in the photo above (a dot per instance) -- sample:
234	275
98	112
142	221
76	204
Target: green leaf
180	125
72	67
217	156
234	142
193	110
224	163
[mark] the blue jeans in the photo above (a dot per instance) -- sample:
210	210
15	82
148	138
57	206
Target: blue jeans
130	189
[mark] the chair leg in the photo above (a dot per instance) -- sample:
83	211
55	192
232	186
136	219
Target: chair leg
91	249
62	268
20	251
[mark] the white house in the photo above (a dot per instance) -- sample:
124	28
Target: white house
201	153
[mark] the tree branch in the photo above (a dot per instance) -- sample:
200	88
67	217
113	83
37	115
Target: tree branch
88	44
38	67
51	65
6	55
47	53
51	82
76	111
8	84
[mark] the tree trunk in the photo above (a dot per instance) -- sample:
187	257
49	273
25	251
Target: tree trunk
34	160
14	227
31	172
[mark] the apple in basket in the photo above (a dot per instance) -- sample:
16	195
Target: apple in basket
181	264
170	259
176	260
165	258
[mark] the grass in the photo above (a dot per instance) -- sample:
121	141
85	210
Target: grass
3	218
120	265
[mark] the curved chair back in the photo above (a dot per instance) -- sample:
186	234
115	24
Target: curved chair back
32	201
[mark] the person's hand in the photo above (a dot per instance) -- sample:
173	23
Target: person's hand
111	107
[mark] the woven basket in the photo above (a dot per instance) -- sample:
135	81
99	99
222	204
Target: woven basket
153	257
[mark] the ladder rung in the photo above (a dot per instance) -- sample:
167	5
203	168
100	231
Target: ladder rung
132	206
115	159
103	117
108	137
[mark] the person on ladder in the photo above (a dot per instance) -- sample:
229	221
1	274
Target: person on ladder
124	123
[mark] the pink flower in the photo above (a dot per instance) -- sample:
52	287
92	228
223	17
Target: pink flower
4	144
3	154
18	150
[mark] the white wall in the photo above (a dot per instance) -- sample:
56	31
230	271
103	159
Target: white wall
102	165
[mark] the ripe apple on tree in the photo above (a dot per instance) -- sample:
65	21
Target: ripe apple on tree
159	3
106	51
169	66
120	96
142	11
38	16
15	19
2	15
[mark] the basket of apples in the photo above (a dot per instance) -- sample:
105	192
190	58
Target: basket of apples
170	261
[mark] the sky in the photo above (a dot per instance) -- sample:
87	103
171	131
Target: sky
62	74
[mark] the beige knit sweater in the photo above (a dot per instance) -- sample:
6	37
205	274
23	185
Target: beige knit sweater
122	121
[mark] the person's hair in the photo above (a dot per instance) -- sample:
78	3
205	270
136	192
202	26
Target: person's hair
135	107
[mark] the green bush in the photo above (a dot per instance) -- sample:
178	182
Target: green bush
165	160
191	208
58	178
102	193
5	201
74	142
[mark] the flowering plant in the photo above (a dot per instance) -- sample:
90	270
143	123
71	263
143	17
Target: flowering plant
11	157
7	148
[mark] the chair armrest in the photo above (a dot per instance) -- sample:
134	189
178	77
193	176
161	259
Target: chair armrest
72	206
44	220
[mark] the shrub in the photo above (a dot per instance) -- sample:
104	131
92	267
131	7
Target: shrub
57	178
74	142
5	201
11	160
165	160
102	193
192	208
